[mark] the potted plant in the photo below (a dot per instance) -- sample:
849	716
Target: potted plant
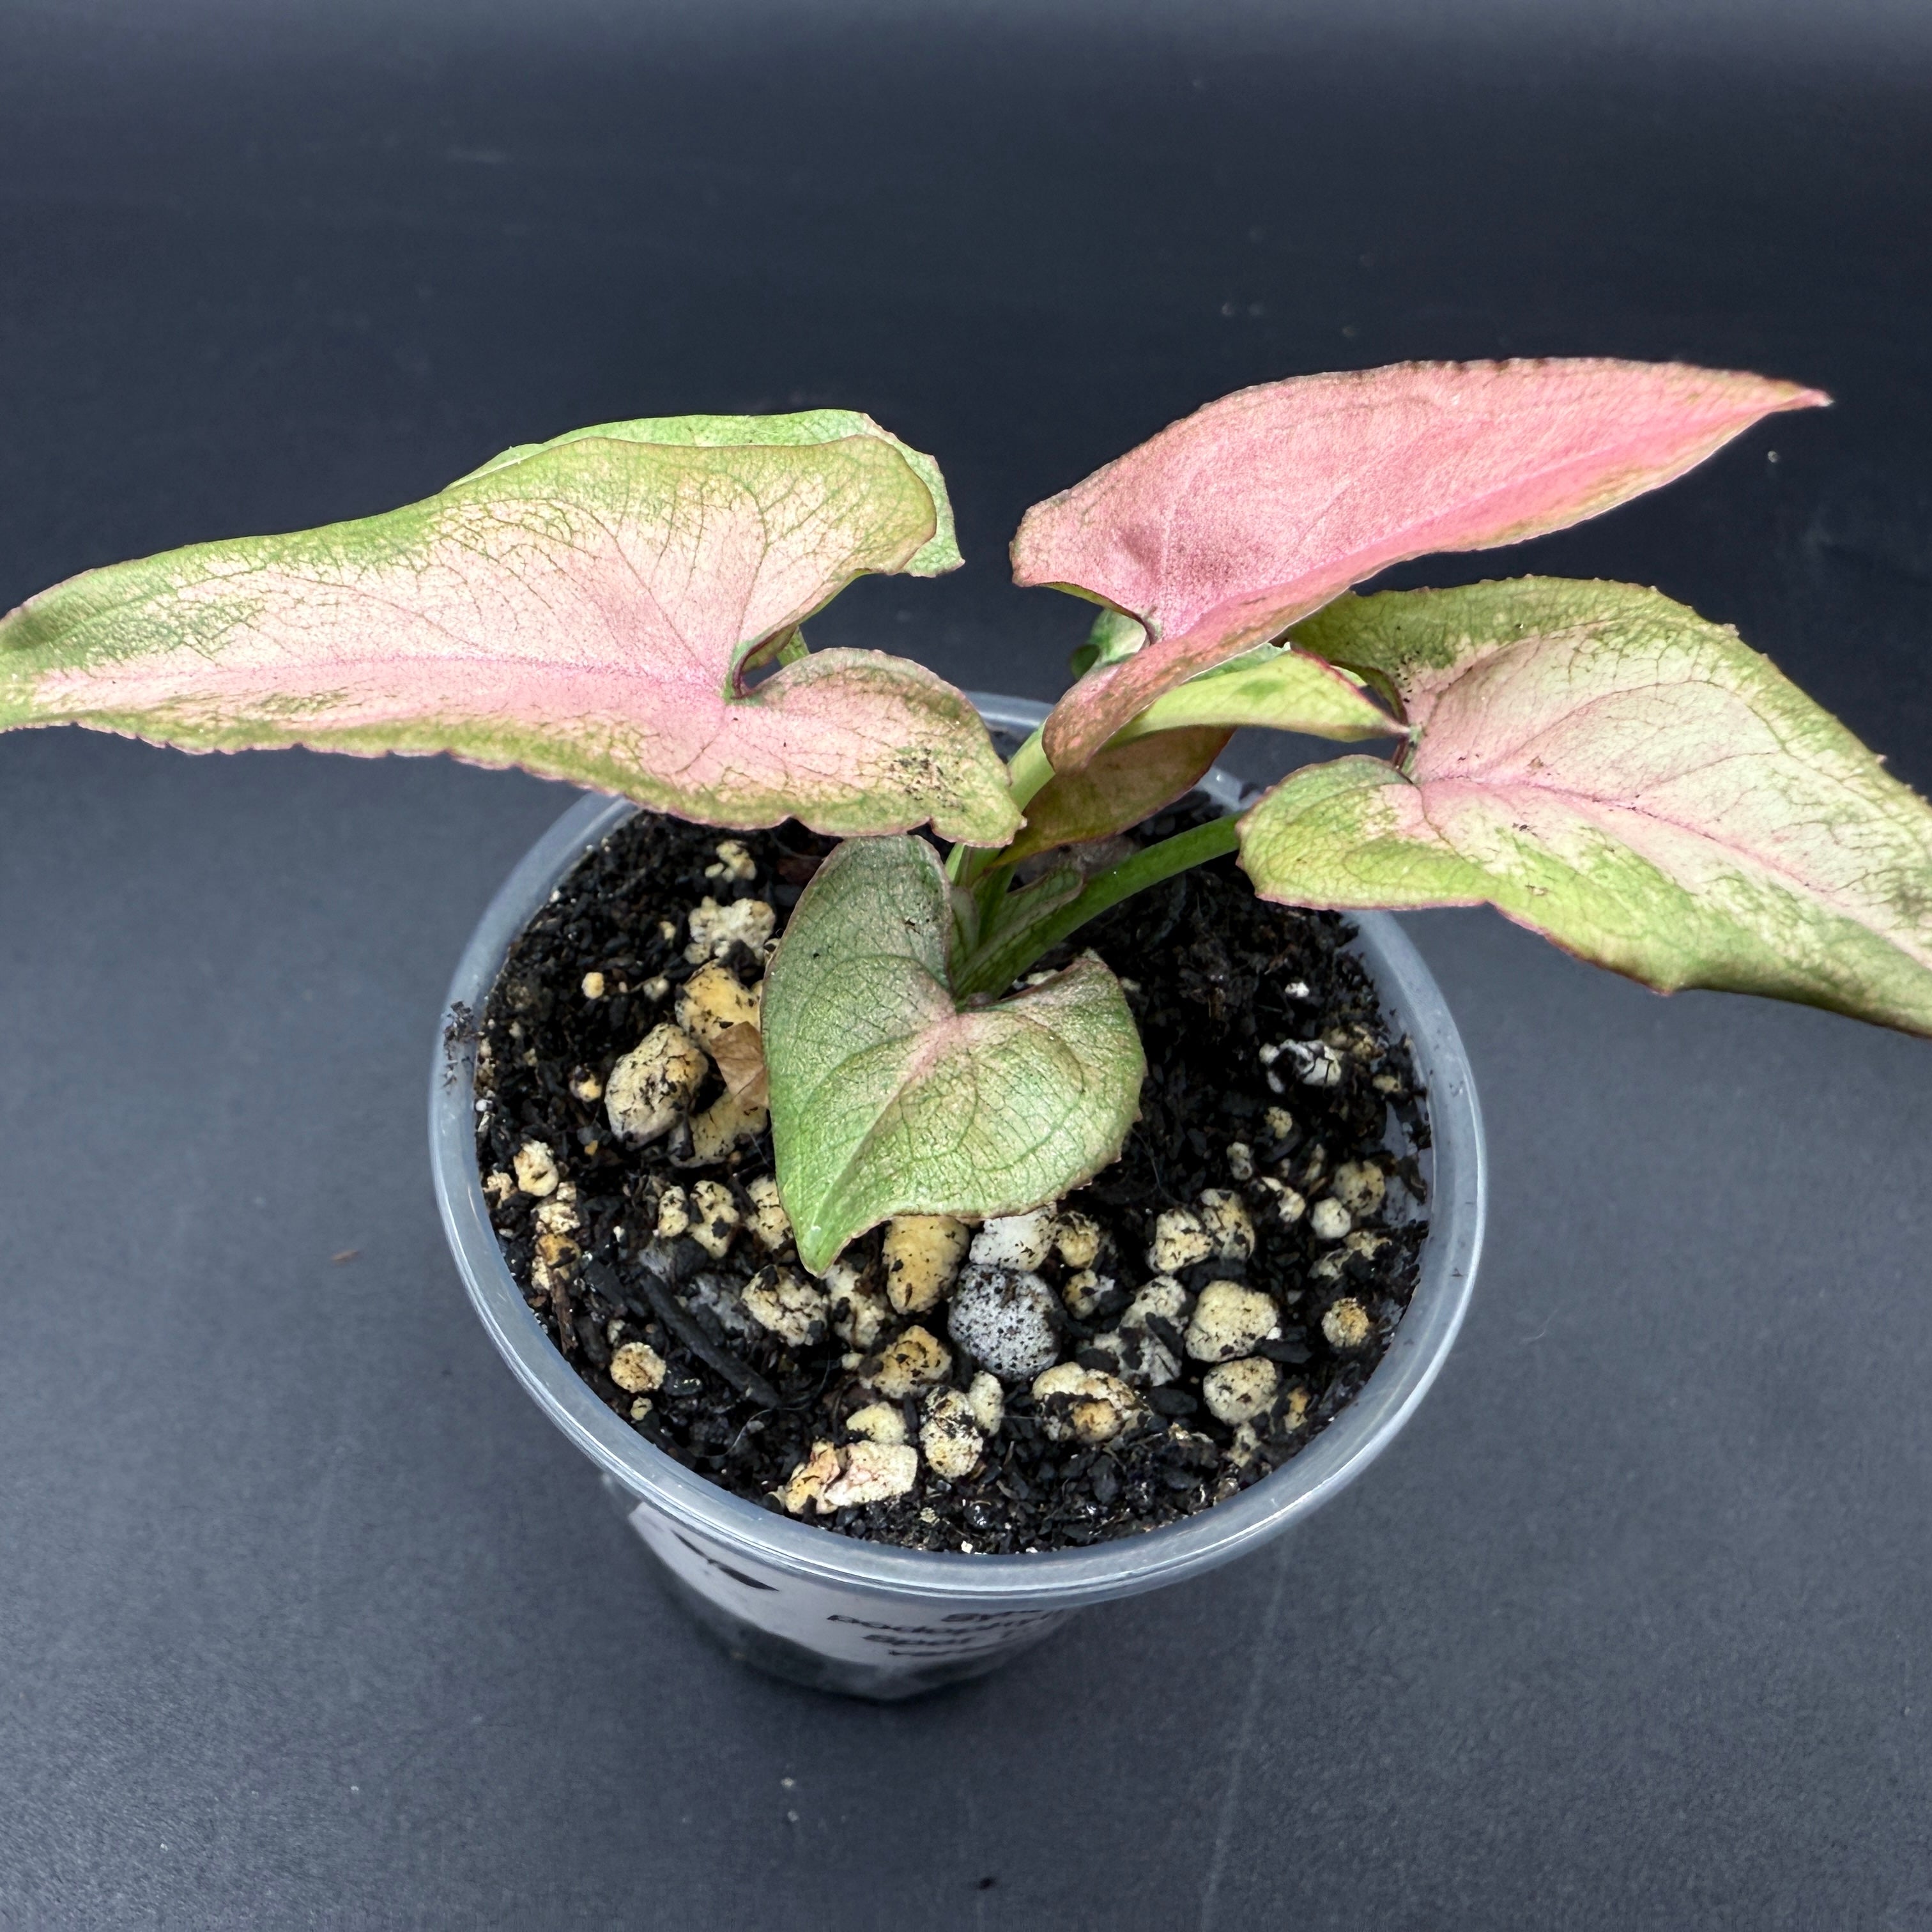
802	1201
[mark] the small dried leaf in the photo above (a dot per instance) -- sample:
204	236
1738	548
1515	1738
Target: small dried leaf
740	1052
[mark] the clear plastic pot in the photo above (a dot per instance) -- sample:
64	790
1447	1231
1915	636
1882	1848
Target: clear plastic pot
877	1621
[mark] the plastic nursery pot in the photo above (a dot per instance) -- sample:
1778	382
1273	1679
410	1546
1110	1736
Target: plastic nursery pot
869	1619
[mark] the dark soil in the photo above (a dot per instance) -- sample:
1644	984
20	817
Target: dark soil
1212	974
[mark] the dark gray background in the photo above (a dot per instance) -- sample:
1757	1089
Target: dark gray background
306	1616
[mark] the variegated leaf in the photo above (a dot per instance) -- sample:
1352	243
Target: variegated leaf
1229	525
1610	769
887	1099
585	608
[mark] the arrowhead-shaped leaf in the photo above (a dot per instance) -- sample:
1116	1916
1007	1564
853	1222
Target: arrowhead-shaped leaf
1610	769
886	1099
1231	524
585	608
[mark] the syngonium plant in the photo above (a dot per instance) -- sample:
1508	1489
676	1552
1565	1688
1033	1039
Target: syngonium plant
621	607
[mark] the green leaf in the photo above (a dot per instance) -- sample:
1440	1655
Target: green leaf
585	608
1285	690
1608	769
887	1099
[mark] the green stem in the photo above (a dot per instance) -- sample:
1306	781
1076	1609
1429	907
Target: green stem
1004	957
1027	772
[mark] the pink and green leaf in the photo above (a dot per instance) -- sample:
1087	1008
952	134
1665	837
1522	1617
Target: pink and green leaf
1606	768
888	1098
584	608
1233	523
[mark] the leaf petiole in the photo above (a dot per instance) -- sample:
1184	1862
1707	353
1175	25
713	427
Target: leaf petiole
1004	954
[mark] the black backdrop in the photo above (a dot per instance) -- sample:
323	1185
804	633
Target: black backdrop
306	1617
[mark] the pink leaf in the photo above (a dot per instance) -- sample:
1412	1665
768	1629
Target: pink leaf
1608	769
1232	524
584	608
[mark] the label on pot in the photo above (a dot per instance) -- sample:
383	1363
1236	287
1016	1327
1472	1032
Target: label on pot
855	1626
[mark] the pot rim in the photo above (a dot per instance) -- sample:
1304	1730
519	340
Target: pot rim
1456	1163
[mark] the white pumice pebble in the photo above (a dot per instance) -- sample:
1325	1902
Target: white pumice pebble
1359	1185
1162	1296
1346	1324
1387	1083
555	1221
585	1086
1224	1217
1280	1122
1141	1356
715	928
922	1254
948	1435
535	1168
1229	1320
1021	1241
498	1186
1083	1291
734	863
673	1213
1316	1063
1328	1220
915	1361
650	1087
1240	1160
714	1218
640	1408
1288	1206
1076	1239
787	1305
1179	1241
723	1300
1236	1392
655	988
558	1214
613	1332
593	986
807	1483
987	1401
637	1369
667	930
874	1472
722	1125
1328	1267
770	1224
878	1422
860	1309
1094	1406
1296	989
711	1002
1006	1318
